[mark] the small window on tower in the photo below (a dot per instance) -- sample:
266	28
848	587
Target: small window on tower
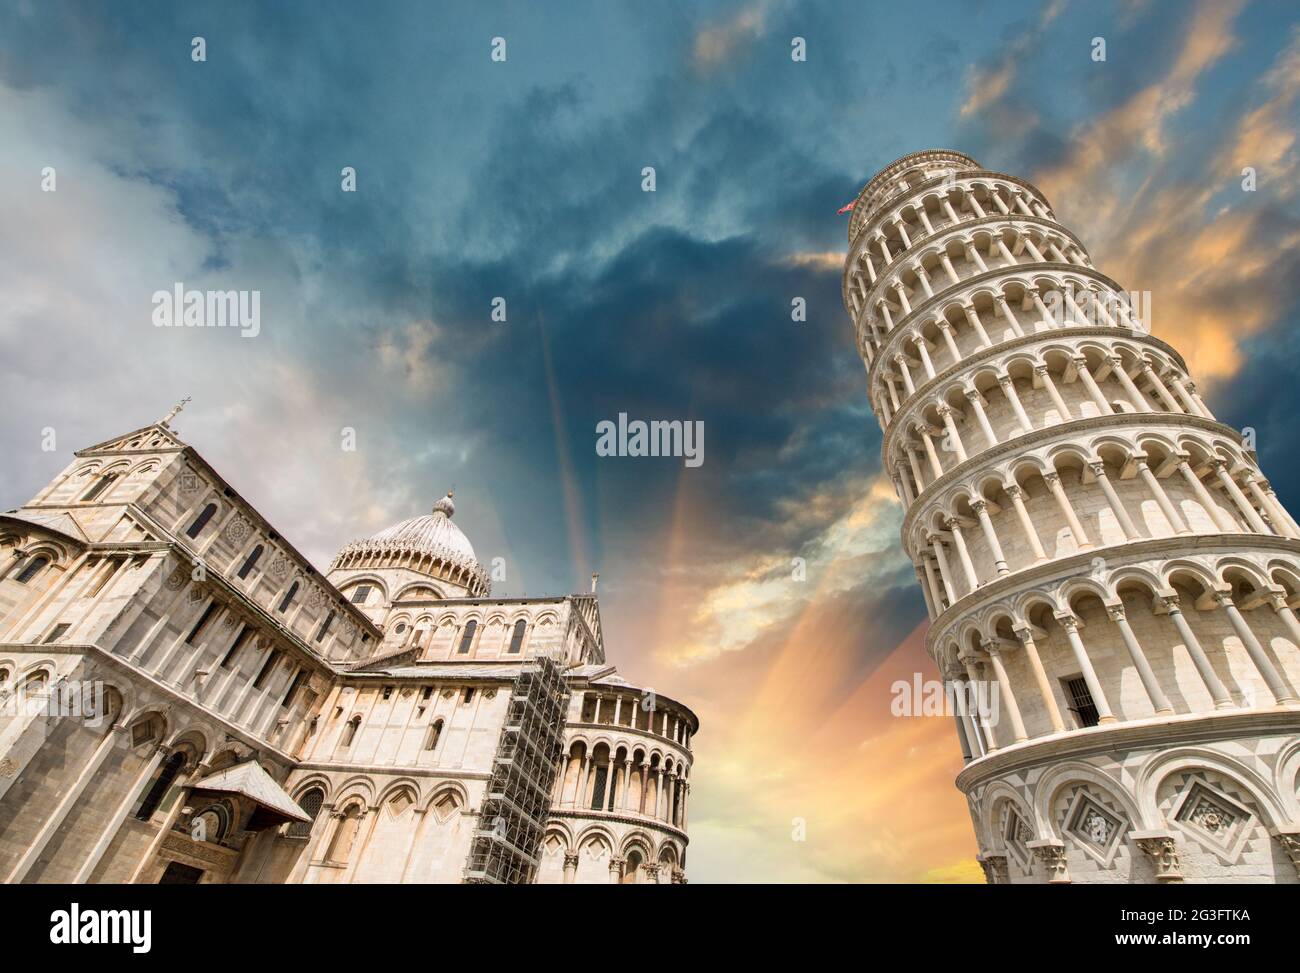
360	593
1081	702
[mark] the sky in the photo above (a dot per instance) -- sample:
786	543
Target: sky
478	179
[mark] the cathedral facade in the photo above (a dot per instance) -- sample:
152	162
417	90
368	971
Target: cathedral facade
1096	550
184	698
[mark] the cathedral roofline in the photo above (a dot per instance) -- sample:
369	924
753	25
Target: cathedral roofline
189	452
44	524
153	427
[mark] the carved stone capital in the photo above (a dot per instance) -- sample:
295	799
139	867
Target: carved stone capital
1289	839
1051	853
1069	622
1161	848
995	869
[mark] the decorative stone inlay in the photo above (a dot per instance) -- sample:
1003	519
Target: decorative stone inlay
238	530
1213	818
204	852
1094	825
1016	834
279	569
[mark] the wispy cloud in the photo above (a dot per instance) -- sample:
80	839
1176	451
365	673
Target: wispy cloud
720	41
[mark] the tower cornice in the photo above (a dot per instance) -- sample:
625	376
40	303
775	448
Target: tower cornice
877	181
1041	577
1071	428
995	351
948	296
911	252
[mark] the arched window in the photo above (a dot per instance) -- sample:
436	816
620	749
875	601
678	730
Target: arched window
631	867
35	684
435	731
467	637
201	521
325	626
250	561
310	803
32	568
350	731
344	835
287	600
102	484
162	780
517	637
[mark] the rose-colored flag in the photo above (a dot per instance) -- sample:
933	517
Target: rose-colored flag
844	209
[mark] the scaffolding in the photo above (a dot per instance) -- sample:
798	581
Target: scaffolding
505	844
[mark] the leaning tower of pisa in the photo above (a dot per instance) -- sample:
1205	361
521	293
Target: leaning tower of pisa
1109	576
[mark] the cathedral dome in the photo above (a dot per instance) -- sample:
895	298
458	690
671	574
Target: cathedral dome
432	533
430	544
